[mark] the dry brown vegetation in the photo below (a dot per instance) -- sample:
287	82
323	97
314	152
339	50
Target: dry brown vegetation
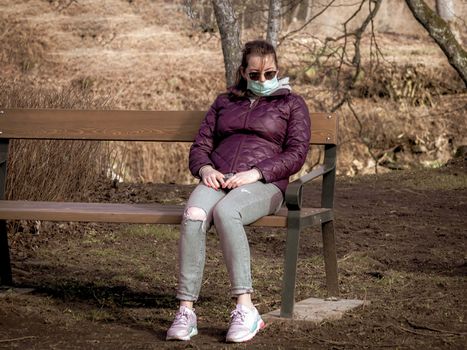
39	169
149	55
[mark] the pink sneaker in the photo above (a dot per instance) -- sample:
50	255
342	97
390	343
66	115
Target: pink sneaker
184	325
244	324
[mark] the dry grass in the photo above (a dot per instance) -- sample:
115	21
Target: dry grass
153	58
22	44
51	169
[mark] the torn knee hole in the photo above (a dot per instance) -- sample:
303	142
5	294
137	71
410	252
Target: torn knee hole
195	213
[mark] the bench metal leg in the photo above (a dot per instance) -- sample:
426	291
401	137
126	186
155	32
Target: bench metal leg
290	266
330	258
5	266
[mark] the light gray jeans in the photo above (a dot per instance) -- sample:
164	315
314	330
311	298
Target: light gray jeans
229	211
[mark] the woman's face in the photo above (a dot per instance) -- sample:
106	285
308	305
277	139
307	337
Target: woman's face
260	68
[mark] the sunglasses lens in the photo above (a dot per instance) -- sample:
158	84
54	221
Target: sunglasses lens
267	75
254	75
270	75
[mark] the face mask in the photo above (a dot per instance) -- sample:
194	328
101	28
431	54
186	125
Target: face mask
263	89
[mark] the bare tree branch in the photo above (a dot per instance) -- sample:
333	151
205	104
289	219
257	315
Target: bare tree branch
359	32
361	136
356	60
308	22
442	35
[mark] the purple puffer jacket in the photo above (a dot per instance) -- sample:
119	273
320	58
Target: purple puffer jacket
271	134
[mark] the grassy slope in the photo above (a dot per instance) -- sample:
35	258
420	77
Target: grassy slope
148	55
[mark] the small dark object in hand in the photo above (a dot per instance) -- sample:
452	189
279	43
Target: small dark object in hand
228	176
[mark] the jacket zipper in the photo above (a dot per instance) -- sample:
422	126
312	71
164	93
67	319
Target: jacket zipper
252	106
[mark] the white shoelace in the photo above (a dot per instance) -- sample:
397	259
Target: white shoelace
237	317
181	318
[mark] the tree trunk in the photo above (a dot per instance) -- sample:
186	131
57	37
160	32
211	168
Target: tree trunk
442	35
309	10
294	13
230	37
445	9
274	22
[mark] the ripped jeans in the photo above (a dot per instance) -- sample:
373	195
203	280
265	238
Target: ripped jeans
229	211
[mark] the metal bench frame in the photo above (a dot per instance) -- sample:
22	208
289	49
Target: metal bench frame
164	126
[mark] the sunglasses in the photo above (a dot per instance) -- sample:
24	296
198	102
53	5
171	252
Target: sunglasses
257	75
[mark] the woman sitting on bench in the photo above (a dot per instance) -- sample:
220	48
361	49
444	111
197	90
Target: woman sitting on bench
252	139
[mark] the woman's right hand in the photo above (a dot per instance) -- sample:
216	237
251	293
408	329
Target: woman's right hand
211	177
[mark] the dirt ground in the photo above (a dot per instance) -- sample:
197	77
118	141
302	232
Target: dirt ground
401	240
401	236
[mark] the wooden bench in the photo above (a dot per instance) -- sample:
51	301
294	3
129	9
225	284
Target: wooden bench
165	127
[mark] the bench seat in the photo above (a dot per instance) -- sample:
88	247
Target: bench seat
166	126
141	213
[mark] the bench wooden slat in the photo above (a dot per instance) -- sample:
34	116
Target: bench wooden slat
180	126
142	213
160	126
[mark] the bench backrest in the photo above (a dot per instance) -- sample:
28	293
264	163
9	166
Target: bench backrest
114	125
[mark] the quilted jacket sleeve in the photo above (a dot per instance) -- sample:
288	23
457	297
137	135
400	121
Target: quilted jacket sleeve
203	145
295	148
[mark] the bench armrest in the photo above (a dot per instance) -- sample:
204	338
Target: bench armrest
293	193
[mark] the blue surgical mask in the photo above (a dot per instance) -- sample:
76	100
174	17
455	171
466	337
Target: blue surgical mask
263	89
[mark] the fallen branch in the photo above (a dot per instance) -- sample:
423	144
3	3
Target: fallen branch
17	339
410	191
416	326
418	333
357	345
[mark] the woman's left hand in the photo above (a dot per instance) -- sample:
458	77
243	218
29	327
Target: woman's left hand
242	178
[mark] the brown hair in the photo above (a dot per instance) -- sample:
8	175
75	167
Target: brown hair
252	48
